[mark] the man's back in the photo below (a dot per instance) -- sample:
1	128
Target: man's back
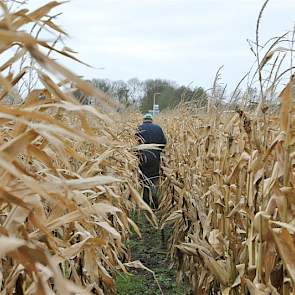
150	159
151	133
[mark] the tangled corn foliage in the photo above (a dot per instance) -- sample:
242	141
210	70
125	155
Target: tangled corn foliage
229	184
68	179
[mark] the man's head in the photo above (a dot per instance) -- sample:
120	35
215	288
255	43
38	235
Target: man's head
148	117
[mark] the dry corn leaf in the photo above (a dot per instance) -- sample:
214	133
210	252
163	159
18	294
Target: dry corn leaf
286	97
9	244
285	245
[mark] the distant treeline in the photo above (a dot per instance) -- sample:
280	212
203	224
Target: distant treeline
141	93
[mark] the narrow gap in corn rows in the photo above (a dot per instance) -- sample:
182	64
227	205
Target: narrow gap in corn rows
151	250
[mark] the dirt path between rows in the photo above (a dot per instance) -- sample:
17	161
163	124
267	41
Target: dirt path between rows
151	251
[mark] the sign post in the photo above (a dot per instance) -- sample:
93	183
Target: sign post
155	106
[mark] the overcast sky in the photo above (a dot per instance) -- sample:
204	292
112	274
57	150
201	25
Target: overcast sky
181	40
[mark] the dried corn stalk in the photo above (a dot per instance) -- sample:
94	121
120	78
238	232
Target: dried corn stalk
68	177
228	193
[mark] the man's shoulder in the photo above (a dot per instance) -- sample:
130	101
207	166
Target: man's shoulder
146	126
141	126
157	126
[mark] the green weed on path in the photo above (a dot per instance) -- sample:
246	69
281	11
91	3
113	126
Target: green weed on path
152	254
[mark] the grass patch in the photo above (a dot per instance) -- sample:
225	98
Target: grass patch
130	284
149	250
144	284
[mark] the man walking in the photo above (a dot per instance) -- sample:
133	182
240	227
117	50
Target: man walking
150	133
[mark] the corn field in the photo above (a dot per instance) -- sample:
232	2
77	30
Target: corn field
69	179
228	187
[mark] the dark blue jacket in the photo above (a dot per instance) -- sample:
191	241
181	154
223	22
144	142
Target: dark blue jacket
150	133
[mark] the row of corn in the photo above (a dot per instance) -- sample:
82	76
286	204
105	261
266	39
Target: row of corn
67	172
228	192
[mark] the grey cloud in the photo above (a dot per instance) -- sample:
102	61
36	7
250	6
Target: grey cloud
183	40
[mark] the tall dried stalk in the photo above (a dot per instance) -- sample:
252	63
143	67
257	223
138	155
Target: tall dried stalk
68	177
229	197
